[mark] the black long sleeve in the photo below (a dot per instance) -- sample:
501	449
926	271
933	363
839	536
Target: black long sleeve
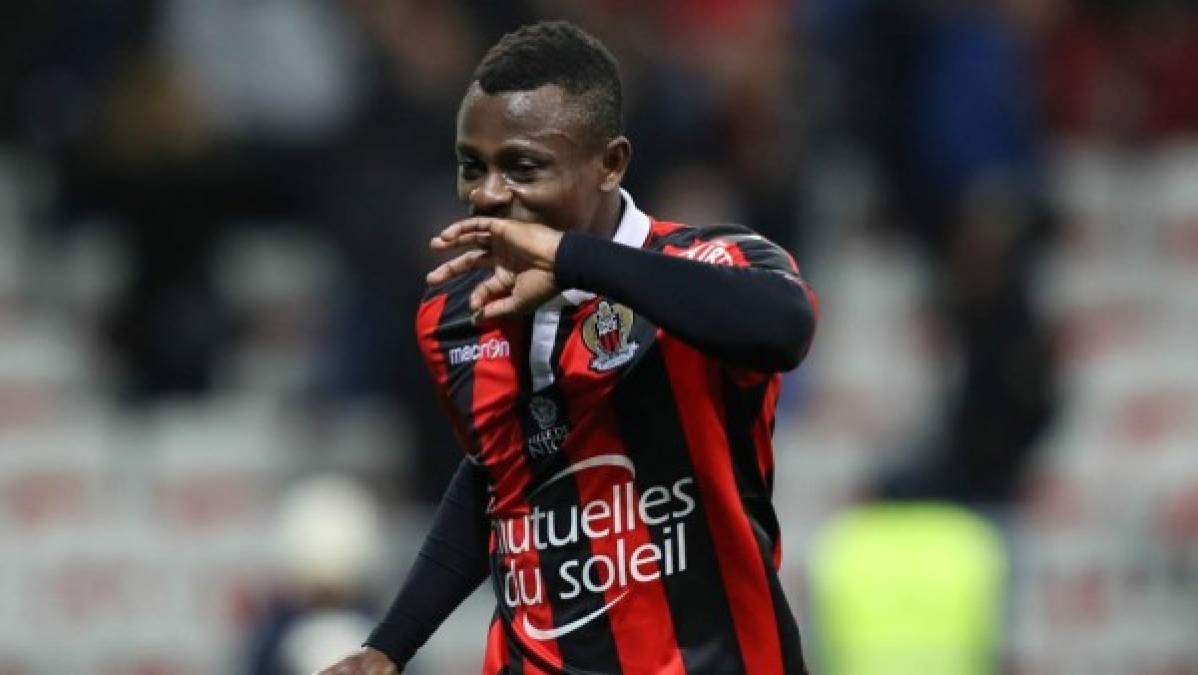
760	318
452	563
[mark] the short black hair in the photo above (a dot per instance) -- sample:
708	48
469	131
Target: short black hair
560	53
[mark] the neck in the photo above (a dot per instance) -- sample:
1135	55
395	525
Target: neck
608	217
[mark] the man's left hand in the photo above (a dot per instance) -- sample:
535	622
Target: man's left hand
520	255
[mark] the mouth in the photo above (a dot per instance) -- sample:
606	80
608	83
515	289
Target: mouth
489	213
506	214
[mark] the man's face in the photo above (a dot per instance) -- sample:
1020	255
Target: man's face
527	155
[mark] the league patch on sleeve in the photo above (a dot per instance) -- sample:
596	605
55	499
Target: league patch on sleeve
714	252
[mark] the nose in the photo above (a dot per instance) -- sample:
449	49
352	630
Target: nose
491	197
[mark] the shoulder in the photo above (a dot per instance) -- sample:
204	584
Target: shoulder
725	244
446	308
664	235
455	287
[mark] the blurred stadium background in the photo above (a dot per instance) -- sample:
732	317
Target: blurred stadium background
218	447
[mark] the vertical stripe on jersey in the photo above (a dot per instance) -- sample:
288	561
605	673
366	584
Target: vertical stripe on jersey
641	624
763	432
592	643
741	409
744	576
501	433
515	658
700	609
495	658
531	667
788	629
456	395
748	415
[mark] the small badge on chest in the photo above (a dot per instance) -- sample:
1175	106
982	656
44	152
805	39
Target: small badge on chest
606	333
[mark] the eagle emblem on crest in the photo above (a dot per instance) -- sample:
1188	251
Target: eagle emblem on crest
606	333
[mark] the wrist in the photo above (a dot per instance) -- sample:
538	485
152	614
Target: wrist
570	261
379	659
381	653
548	246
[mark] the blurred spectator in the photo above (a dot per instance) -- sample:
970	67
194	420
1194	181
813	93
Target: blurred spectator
175	155
950	100
1124	70
387	187
328	544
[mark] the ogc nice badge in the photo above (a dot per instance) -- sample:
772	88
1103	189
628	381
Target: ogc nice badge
606	333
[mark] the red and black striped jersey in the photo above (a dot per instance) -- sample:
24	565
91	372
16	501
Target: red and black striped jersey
629	475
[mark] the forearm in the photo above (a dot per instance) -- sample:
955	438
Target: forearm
452	563
747	317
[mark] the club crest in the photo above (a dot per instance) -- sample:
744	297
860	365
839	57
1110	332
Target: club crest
605	333
544	411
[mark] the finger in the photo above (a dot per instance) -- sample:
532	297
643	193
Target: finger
471	228
461	240
464	232
498	285
469	261
480	224
508	305
493	287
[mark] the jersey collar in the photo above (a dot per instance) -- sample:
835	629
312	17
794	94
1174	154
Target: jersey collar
634	224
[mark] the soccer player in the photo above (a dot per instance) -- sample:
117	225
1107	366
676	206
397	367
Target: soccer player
612	378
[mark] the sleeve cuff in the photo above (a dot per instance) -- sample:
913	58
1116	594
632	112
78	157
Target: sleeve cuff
574	256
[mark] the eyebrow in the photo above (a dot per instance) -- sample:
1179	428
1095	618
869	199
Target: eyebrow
508	147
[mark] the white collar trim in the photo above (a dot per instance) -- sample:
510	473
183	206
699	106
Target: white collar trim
634	224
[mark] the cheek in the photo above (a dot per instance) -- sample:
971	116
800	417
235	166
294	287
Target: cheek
550	202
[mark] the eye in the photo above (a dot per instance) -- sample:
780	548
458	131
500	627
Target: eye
469	169
524	170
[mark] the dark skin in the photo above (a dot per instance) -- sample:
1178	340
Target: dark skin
530	167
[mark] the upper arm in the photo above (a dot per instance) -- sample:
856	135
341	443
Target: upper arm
749	249
738	246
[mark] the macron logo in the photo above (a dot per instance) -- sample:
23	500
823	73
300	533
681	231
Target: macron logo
492	348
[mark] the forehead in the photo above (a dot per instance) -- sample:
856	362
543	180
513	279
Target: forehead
546	115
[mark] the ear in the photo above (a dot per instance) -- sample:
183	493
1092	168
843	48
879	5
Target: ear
614	163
